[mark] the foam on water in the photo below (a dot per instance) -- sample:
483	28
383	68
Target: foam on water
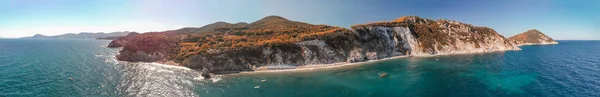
168	66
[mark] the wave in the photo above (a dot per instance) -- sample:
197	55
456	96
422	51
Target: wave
98	55
168	66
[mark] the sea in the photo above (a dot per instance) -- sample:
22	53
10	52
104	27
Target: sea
86	67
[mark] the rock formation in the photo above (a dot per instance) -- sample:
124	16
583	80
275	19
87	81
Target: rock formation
532	37
411	35
274	42
205	73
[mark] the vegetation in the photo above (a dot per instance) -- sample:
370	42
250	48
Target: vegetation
430	33
272	31
531	36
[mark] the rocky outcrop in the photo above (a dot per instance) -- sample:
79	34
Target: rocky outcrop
532	37
205	73
275	43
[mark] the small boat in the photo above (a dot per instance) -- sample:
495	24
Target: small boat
257	87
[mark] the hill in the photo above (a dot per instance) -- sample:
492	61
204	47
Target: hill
532	37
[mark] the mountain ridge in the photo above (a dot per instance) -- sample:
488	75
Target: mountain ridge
83	35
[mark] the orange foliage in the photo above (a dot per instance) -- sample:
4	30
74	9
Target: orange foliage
267	32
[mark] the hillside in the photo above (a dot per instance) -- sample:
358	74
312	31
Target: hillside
223	37
423	36
276	41
532	37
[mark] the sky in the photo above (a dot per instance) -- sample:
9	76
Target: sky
559	19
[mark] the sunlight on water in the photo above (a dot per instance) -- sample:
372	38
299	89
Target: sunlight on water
146	79
155	79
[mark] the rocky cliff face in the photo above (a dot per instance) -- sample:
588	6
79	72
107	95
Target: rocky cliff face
412	35
532	37
290	44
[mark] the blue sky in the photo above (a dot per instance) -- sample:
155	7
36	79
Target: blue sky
560	19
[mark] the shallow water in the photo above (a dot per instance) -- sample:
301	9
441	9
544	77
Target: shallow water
42	67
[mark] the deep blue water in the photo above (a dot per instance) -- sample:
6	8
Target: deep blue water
42	67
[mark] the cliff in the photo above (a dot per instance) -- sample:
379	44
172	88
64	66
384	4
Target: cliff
418	36
275	42
532	37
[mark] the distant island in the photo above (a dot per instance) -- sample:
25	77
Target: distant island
99	35
532	37
274	42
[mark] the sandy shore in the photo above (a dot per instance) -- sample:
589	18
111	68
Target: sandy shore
322	66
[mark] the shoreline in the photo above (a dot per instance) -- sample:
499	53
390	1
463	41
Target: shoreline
321	66
339	65
315	67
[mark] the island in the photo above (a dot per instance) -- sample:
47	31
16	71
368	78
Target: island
98	35
275	42
532	37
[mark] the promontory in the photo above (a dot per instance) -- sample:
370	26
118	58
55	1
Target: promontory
275	42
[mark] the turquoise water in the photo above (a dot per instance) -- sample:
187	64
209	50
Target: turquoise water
42	67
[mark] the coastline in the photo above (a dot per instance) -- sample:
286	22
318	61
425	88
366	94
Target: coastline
339	65
315	67
321	66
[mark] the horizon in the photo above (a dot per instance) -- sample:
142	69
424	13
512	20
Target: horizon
561	20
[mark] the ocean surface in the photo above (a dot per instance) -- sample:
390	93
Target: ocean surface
85	67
